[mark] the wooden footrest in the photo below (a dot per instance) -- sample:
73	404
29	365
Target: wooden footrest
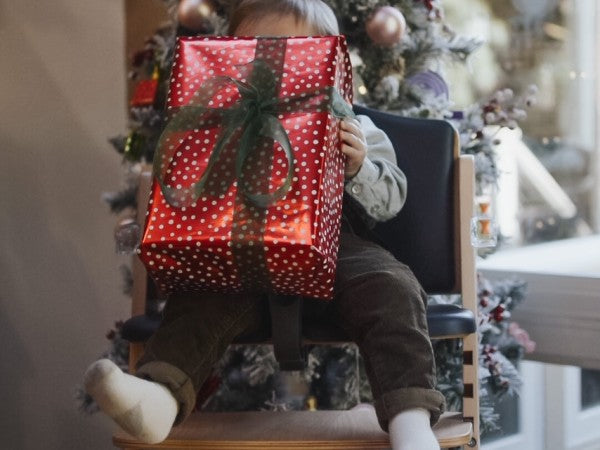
355	429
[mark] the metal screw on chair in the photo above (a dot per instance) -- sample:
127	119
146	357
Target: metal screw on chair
472	442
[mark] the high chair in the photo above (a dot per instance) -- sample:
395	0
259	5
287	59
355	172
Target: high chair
431	235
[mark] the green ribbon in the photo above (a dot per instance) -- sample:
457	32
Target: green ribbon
254	115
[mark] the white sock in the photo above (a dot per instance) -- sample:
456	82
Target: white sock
410	430
142	408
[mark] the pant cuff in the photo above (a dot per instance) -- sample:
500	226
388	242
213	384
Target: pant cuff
177	381
392	403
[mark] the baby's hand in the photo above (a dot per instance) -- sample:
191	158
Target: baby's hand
353	146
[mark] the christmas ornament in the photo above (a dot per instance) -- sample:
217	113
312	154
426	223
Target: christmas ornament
127	236
484	233
145	91
195	14
387	26
430	81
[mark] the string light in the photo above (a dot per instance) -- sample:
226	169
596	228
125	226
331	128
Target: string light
573	74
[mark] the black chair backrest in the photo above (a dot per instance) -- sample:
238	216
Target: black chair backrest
422	235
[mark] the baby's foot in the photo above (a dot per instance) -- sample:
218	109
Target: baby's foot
142	408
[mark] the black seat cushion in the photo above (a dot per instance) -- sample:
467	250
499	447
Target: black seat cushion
450	320
140	328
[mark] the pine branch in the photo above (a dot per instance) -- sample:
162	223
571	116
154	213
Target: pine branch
121	200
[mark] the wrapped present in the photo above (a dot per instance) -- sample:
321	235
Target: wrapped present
249	176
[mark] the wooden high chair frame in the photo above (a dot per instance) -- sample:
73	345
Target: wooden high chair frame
354	429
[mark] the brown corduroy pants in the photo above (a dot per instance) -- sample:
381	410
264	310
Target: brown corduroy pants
378	302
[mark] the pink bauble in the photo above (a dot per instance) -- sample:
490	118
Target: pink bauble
386	26
194	14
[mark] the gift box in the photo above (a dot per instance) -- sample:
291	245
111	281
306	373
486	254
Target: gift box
248	173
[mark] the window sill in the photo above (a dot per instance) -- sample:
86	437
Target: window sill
561	310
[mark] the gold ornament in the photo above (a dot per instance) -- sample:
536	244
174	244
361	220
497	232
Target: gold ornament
386	26
127	236
195	14
311	403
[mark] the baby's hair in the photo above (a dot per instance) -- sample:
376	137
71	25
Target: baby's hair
314	13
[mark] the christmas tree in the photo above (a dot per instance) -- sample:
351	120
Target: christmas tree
398	50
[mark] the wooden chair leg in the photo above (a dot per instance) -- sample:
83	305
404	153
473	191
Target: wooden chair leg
471	386
468	284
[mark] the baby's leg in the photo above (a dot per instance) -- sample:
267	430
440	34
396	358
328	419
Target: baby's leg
381	305
195	332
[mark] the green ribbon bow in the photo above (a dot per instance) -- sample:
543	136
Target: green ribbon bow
254	115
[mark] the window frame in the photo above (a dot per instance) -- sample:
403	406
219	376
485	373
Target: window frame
531	422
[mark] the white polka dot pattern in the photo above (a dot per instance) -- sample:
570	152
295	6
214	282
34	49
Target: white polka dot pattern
294	241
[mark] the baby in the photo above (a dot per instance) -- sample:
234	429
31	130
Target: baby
377	300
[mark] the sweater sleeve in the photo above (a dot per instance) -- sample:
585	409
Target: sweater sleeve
379	186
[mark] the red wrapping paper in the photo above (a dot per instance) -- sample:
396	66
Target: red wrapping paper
220	242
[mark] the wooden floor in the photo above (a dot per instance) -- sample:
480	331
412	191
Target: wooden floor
324	430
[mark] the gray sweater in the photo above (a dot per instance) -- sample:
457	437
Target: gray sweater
379	186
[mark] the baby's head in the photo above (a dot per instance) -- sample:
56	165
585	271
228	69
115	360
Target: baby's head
282	18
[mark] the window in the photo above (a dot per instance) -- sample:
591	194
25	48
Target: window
590	389
548	201
549	187
522	419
